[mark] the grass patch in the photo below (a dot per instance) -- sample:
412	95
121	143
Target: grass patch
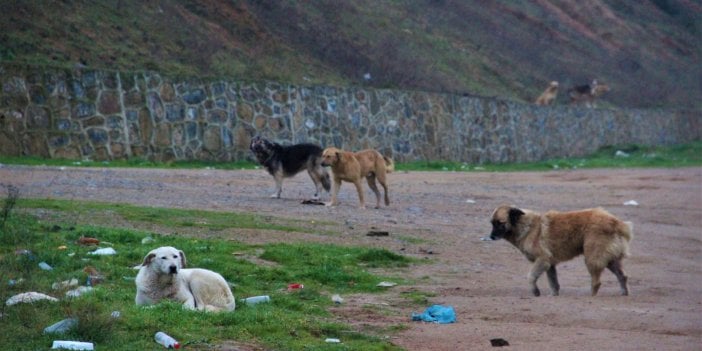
629	156
168	217
292	321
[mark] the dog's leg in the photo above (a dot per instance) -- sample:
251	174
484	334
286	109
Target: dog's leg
278	184
553	280
374	187
383	182
359	189
335	192
595	273
616	267
539	267
317	181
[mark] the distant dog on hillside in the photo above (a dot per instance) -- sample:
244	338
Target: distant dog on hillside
287	161
554	237
587	93
549	95
353	167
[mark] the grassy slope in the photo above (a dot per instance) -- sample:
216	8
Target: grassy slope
648	52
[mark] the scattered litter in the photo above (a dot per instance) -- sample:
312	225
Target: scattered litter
498	342
104	251
147	240
65	284
332	340
621	153
337	299
312	202
26	252
94	277
166	340
79	291
72	345
256	299
486	238
436	314
62	247
386	284
13	282
378	233
61	326
115	314
295	286
470	201
45	266
29	297
631	203
84	240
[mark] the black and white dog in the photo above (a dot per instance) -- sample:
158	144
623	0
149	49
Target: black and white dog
283	161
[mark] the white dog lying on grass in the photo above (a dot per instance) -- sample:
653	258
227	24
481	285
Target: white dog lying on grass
162	276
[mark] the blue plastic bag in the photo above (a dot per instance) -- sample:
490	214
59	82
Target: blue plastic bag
436	314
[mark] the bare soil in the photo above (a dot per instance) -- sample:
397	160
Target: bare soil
440	217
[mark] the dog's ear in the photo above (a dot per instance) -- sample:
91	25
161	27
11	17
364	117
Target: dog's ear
514	215
148	258
182	259
338	155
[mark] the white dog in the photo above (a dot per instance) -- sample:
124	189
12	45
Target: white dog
162	276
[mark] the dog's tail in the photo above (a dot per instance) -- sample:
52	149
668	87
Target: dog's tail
627	232
389	164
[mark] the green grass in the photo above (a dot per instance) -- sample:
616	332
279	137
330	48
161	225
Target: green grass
292	321
687	155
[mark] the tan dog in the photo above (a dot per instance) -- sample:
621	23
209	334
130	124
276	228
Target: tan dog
162	276
549	95
554	237
353	167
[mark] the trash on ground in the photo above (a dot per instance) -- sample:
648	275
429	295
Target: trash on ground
79	291
166	340
72	345
115	314
256	299
498	342
312	202
88	241
332	340
295	286
147	240
486	238
65	284
94	277
631	203
104	251
470	201
386	284
62	247
45	266
61	326
436	314
378	233
621	153
28	297
337	299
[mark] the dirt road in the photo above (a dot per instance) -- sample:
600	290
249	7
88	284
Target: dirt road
442	216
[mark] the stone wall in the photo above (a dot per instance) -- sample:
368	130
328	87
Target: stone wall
106	115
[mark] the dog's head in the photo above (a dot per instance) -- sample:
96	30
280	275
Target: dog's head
330	156
262	148
505	221
164	260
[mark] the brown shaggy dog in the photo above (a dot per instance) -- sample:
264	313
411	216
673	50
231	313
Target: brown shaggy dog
353	167
549	95
554	237
587	93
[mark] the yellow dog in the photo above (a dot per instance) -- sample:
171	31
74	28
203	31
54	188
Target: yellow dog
353	167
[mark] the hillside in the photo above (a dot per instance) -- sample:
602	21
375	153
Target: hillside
648	51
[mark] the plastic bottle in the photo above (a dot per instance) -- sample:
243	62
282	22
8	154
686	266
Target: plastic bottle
45	266
62	326
72	345
257	299
166	340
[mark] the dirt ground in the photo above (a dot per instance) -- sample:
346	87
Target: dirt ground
441	216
